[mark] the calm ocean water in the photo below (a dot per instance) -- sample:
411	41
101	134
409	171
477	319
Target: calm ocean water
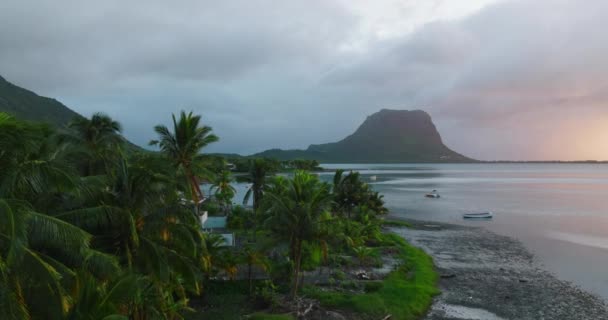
559	211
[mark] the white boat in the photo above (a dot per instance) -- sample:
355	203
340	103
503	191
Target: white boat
433	194
373	178
481	215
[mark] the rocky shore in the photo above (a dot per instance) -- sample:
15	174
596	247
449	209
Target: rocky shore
492	277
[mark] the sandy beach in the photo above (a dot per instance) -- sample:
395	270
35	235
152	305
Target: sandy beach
492	277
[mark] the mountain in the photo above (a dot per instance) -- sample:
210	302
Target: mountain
27	105
385	136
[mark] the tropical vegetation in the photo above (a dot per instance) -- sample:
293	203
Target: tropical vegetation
93	229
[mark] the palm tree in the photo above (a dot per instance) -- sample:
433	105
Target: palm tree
253	257
295	208
184	145
38	250
142	222
214	246
224	191
37	255
363	254
94	301
259	169
351	192
69	243
98	139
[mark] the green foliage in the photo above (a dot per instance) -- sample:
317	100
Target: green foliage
265	295
259	171
302	164
350	193
339	275
87	232
224	191
266	316
312	256
90	231
405	293
213	208
396	223
183	147
373	286
230	301
240	218
363	254
294	210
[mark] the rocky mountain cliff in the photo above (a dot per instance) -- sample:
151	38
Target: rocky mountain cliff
385	136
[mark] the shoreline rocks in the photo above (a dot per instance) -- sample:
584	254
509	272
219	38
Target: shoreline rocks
489	276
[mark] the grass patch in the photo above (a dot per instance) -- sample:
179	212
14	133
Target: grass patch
406	293
228	300
396	223
266	316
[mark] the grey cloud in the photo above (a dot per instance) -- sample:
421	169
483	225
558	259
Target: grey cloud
283	74
499	74
76	43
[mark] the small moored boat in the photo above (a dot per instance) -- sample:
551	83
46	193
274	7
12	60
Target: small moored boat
481	215
373	178
433	194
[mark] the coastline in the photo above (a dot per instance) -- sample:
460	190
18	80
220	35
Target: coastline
484	275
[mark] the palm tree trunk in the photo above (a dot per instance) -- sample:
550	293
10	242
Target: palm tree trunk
249	277
296	268
197	194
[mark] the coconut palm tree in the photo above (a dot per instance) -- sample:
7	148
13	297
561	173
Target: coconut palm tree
253	257
363	254
224	191
143	223
294	209
183	147
98	139
38	250
259	170
68	242
214	246
38	254
349	191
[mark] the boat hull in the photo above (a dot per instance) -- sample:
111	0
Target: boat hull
483	215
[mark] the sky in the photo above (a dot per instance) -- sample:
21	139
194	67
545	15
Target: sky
502	79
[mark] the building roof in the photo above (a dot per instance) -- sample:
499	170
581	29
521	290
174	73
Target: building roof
215	223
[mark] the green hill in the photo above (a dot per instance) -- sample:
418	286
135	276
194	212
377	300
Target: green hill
28	105
386	136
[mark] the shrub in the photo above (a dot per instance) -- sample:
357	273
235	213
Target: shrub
339	275
373	286
240	218
212	207
265	295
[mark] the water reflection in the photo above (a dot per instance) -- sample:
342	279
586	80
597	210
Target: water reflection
558	210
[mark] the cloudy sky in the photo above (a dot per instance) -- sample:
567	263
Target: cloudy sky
502	79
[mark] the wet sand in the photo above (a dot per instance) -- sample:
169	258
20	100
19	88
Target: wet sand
493	277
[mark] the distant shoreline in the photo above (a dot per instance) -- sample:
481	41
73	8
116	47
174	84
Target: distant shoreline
238	156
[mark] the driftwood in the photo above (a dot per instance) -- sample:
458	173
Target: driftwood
303	314
388	316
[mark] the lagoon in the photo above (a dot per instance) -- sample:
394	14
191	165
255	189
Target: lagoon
558	211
